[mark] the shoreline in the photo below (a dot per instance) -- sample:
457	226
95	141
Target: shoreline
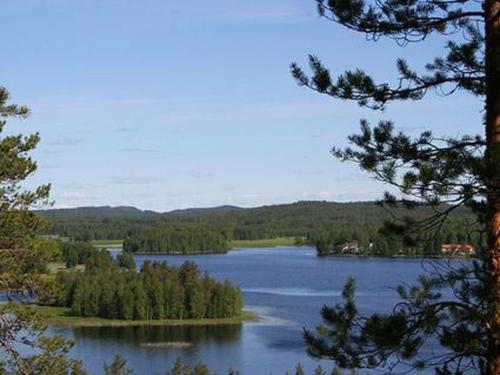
238	245
58	317
395	256
178	253
234	245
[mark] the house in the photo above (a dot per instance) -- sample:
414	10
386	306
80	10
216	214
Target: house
457	249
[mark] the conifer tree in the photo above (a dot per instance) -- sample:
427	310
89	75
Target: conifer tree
427	170
23	274
140	305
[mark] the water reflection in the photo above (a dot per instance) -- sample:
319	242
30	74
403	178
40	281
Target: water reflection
160	334
287	287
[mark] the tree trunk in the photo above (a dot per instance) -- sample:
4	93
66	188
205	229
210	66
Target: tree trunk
492	9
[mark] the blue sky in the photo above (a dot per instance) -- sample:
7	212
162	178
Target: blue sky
168	104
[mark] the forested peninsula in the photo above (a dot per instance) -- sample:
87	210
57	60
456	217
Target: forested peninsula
330	227
113	289
176	238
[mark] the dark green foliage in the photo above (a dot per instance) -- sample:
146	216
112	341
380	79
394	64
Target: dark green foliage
321	224
17	224
126	260
383	240
444	173
461	69
428	170
24	347
395	339
99	260
177	239
158	291
84	253
77	252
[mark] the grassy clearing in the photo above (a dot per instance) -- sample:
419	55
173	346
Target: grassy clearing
234	245
272	242
108	243
61	317
247	244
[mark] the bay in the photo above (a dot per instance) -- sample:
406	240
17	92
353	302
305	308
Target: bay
285	286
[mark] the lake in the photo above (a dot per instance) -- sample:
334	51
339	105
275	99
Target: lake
286	286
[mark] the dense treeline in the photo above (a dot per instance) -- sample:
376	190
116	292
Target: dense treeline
325	225
114	289
83	253
77	252
370	240
177	239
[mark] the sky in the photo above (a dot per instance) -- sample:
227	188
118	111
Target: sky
163	104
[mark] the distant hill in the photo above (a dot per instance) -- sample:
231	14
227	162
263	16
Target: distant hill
130	213
293	219
119	212
297	211
197	212
319	223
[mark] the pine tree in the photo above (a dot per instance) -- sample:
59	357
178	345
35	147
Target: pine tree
23	260
427	170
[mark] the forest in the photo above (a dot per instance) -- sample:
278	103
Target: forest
325	225
112	288
176	239
377	241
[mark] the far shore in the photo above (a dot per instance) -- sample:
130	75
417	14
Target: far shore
271	242
61	317
397	256
109	244
275	242
233	245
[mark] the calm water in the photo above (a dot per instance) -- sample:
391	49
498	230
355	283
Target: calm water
286	286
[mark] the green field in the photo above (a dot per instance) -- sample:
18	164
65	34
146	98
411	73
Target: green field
60	317
272	242
108	243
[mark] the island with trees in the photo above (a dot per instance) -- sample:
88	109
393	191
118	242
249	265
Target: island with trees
112	288
175	238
